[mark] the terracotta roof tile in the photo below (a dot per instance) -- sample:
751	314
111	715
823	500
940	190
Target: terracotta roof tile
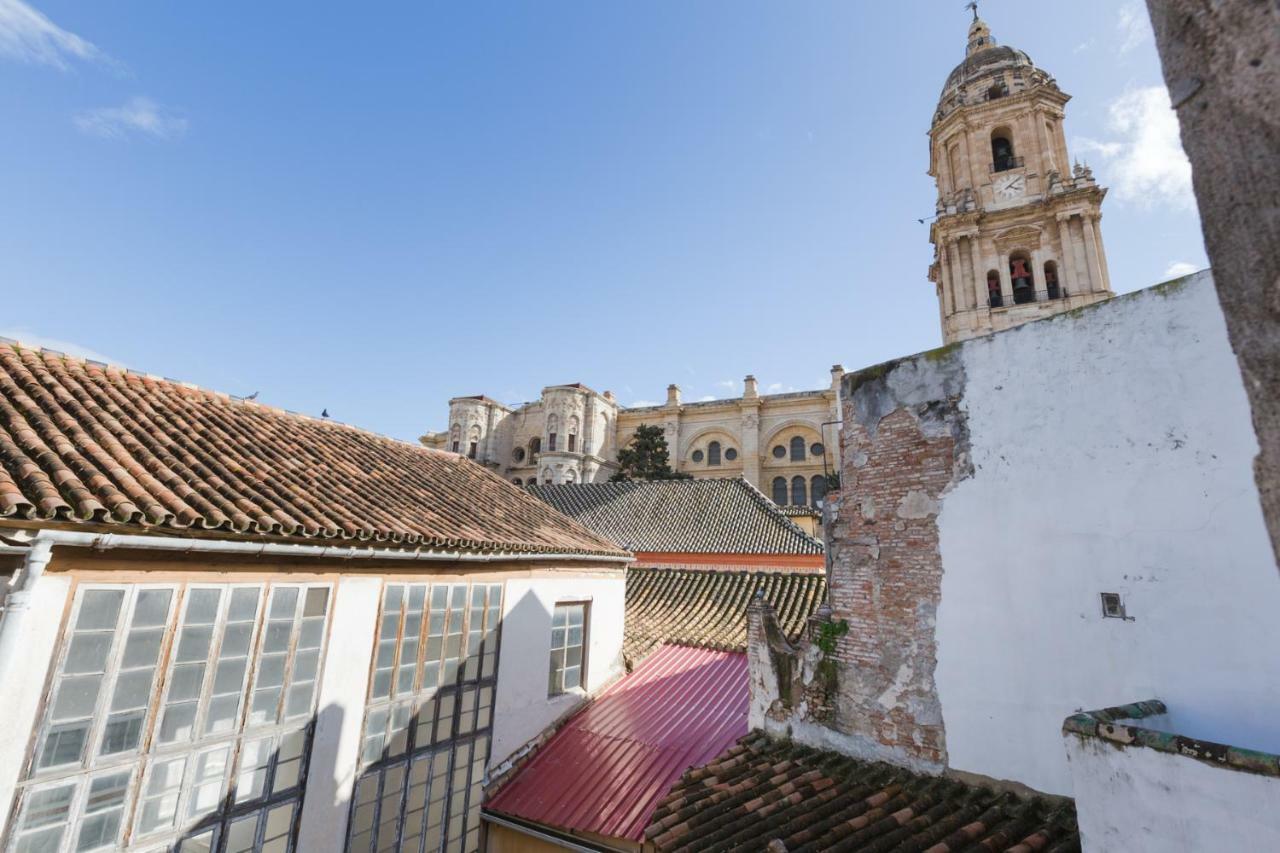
84	442
775	795
682	516
709	608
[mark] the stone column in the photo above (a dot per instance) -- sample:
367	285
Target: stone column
1102	253
959	302
1037	273
489	447
1091	252
671	426
749	429
1068	272
1006	283
971	161
949	277
979	271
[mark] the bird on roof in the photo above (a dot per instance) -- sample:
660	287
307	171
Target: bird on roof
252	396
324	413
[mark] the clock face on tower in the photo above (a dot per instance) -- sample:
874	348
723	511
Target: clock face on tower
1010	187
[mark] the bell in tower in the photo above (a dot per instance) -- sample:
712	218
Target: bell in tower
1018	236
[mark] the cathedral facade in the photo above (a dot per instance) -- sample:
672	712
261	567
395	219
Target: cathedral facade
1017	236
777	442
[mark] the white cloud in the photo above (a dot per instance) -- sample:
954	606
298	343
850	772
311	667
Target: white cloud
1146	161
728	384
1134	26
707	399
28	36
31	339
137	115
643	404
1178	269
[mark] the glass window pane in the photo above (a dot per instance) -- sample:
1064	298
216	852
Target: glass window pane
64	744
123	732
194	644
202	606
49	807
284	601
152	608
316	603
244	605
142	647
76	697
186	681
240	836
99	609
88	653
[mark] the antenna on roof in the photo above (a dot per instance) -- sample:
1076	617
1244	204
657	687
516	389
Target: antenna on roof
973	4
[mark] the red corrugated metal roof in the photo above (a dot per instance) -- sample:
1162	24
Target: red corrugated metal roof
608	768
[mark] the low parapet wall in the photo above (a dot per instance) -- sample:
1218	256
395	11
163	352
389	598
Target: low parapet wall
1141	787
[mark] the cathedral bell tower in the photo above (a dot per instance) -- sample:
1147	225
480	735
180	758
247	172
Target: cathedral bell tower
1017	236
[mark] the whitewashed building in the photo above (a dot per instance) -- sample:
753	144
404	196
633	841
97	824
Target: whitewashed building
232	628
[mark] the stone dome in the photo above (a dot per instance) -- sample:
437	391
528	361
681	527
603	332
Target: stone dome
989	70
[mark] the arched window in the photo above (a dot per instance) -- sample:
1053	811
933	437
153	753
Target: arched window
473	442
1002	155
573	434
517	481
994	297
535	445
455	439
1051	280
570	477
713	453
553	431
797	449
818	488
1023	278
798	490
780	491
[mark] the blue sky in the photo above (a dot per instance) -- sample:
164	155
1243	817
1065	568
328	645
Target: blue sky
372	208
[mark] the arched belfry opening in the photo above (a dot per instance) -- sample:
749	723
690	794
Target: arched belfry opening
1003	157
1051	285
995	298
1022	277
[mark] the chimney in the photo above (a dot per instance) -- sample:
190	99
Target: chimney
673	395
837	373
749	389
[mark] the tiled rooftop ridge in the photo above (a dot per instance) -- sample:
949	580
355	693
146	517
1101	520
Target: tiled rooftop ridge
85	442
728	516
709	608
771	795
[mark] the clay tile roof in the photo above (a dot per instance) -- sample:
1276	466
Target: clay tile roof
765	794
686	516
607	768
84	442
709	608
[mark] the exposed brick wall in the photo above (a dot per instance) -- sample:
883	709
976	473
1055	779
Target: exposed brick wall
903	445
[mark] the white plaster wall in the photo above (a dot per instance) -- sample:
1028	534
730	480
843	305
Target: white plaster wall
1112	452
523	709
343	688
1145	801
24	680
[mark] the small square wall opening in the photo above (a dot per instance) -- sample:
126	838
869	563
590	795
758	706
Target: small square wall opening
1112	606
